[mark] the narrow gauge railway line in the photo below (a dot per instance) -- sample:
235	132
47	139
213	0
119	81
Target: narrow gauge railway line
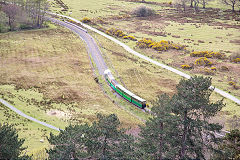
127	48
101	65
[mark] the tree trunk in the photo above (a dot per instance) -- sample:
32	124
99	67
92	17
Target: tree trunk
204	4
233	7
184	137
184	5
10	23
191	5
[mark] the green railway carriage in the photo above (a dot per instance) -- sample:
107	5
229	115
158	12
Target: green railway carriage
126	94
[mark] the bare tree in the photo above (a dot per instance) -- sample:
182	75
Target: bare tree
203	2
11	10
231	3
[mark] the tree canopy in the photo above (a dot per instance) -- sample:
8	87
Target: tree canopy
101	140
180	127
10	144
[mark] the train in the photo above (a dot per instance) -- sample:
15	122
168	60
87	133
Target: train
123	92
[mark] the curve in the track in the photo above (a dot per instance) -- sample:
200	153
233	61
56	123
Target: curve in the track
92	48
127	48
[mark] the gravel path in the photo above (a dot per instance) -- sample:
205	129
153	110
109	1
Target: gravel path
26	116
127	48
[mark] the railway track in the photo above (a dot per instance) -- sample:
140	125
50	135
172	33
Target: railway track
99	61
127	48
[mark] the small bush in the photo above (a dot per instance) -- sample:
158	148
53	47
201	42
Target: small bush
130	37
207	71
159	46
231	83
214	69
25	26
86	20
208	54
224	68
115	32
203	61
143	11
237	60
186	66
235	56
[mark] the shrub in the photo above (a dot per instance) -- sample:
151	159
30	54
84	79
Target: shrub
86	20
231	83
143	11
234	56
203	61
25	26
224	68
159	46
115	32
130	37
237	60
207	71
186	66
208	54
214	69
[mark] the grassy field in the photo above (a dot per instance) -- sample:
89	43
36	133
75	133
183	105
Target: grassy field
47	75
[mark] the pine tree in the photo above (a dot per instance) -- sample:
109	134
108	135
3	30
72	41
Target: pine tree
69	144
108	141
192	105
102	140
158	134
180	127
10	144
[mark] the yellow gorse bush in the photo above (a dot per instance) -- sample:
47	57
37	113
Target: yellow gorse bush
130	37
208	54
159	46
207	71
186	66
214	69
115	32
203	61
119	33
231	83
86	20
237	60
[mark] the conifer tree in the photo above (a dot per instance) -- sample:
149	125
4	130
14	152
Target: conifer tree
192	105
10	144
180	127
102	140
158	136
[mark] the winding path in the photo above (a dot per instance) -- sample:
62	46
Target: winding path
99	61
127	48
26	116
